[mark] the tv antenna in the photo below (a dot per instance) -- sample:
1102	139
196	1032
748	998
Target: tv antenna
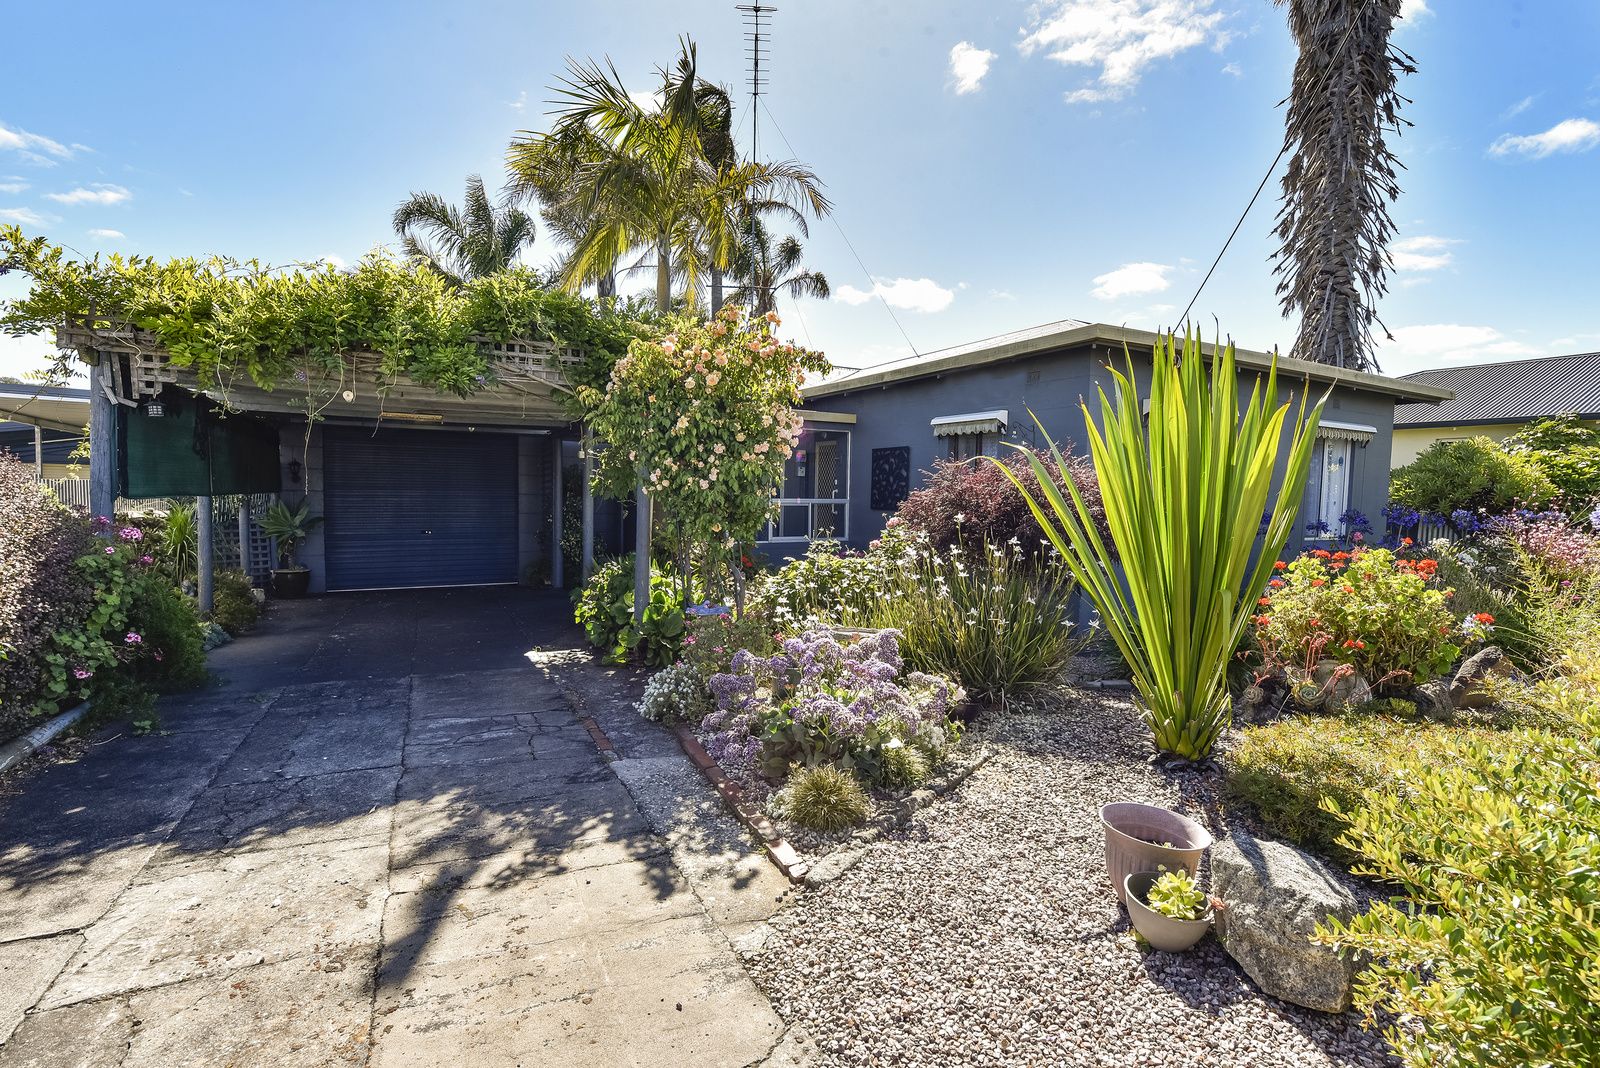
756	31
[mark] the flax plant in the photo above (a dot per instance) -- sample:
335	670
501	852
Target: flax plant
1184	501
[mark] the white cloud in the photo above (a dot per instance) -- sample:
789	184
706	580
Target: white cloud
1517	109
1131	279
1416	347
1422	253
968	65
100	232
911	294
35	148
1120	37
11	183
22	216
1233	69
96	193
336	262
1002	294
1411	10
1568	135
520	102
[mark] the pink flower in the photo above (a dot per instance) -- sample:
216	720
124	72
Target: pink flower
111	550
130	534
147	559
81	673
133	638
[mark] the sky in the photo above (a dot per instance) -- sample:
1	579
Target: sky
992	165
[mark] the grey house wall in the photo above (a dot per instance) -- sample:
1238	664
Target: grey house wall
1049	386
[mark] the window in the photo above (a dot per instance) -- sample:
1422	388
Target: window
966	446
1327	497
970	435
814	502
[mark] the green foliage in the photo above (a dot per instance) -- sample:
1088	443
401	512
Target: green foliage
1386	617
290	526
304	325
711	641
176	543
1175	894
233	606
706	416
1184	491
824	798
989	617
904	767
1474	474
1567	451
172	659
604	609
1495	949
675	694
827	586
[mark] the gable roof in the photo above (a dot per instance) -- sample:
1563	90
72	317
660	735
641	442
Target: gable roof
1072	333
1514	391
54	407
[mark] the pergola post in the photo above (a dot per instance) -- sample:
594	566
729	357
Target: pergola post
38	452
588	503
557	570
102	438
204	554
641	552
244	537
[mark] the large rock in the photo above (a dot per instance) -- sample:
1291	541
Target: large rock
1472	686
1275	897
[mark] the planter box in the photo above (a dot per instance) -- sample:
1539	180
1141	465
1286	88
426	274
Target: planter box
1147	838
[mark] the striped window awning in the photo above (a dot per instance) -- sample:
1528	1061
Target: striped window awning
1336	431
949	426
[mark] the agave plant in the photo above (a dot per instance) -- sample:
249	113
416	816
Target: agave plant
1183	501
177	542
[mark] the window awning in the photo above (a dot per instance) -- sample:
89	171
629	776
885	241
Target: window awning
1336	431
949	426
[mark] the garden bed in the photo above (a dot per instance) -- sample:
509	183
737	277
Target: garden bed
983	932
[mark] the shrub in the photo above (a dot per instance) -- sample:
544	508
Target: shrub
987	617
1562	549
176	543
904	767
1471	474
604	608
821	701
969	502
675	694
1287	768
233	606
1567	450
173	659
824	798
42	591
1384	616
1496	956
712	640
824	587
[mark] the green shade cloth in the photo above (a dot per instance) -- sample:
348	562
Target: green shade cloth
195	449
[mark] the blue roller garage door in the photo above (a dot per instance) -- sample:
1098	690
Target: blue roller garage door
419	508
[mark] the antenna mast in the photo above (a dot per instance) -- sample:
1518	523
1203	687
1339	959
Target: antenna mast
755	36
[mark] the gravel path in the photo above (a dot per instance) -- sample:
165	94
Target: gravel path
986	933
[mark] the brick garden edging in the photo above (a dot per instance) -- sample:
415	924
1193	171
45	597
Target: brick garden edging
779	851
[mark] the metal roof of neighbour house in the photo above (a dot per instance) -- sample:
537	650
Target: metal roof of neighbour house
52	407
1514	391
1071	333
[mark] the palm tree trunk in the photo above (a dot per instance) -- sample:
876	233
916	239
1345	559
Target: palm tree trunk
716	289
663	273
607	285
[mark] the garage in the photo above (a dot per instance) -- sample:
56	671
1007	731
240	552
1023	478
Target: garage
410	508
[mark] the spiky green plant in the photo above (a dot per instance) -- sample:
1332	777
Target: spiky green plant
1183	497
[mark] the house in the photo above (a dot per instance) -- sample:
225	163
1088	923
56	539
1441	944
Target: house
869	436
43	426
1495	400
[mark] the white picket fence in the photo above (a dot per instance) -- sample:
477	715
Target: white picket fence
73	492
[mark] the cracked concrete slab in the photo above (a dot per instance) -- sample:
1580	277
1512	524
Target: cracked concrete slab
381	838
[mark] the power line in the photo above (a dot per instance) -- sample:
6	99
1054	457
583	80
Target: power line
1326	74
837	226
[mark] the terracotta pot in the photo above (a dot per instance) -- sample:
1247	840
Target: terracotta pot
1162	932
1135	841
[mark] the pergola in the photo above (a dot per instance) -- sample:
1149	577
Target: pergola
129	367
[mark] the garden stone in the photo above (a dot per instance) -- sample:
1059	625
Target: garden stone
1433	701
1468	690
1275	897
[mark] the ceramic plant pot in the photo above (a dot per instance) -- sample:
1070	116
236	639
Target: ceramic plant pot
1147	838
291	582
1162	932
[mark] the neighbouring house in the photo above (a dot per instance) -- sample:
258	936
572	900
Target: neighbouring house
869	436
43	426
1495	400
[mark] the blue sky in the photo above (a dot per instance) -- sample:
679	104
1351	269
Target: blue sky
995	165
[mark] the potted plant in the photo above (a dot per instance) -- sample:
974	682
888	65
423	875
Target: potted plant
1168	908
1148	838
290	526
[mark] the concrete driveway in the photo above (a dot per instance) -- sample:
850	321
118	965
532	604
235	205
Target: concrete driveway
381	838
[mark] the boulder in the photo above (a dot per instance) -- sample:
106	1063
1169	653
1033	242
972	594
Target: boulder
1468	689
1274	897
1433	701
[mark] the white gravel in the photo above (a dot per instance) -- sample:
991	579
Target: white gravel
986	934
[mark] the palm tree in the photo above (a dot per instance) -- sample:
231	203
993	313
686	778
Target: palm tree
641	177
462	244
1334	224
764	271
